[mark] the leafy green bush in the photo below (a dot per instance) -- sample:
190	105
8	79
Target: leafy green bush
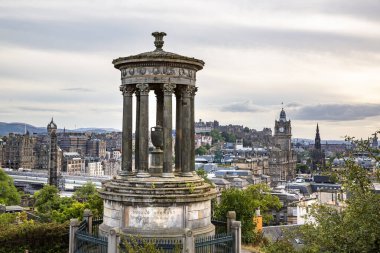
35	237
244	203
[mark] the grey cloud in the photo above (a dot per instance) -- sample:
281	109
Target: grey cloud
293	105
244	106
77	89
366	9
337	112
109	35
38	109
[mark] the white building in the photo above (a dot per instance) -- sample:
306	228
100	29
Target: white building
95	169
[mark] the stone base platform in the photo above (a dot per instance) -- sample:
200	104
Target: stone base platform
157	207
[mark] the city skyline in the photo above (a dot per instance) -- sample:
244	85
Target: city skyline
320	58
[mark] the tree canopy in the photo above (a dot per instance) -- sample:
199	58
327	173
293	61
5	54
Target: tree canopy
244	203
8	192
351	228
50	205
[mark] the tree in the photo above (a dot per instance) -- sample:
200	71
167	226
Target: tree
8	192
302	168
89	195
216	136
51	206
229	137
201	151
356	227
244	203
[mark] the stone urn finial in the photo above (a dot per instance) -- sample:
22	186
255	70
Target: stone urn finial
157	137
159	40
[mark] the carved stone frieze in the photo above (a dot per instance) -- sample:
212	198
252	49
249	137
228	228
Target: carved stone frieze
164	70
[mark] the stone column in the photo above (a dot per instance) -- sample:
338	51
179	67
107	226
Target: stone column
143	126
236	230
167	125
231	217
192	160
74	225
178	131
189	242
160	107
137	133
186	133
126	167
113	241
87	215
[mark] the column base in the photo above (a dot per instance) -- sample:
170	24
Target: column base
187	174
167	174
142	174
125	173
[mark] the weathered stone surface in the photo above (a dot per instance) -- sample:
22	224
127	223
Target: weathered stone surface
157	201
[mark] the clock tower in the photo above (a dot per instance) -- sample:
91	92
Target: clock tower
282	132
282	161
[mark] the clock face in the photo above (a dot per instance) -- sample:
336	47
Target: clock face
281	129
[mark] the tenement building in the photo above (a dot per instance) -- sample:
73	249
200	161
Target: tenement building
158	199
282	160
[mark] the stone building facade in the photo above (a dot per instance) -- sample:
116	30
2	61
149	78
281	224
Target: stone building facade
282	160
19	151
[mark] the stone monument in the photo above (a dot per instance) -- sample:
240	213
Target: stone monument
160	200
53	153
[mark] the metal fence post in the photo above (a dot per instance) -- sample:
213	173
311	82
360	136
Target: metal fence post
236	230
74	224
113	241
231	216
87	215
189	242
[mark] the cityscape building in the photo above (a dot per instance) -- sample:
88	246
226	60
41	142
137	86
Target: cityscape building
282	161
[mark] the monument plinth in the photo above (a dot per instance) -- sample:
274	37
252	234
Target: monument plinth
160	200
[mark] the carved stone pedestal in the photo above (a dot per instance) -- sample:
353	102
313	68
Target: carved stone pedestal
157	207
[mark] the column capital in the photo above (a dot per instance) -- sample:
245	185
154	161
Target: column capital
189	91
143	88
127	90
168	88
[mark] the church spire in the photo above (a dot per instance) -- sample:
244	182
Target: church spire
317	144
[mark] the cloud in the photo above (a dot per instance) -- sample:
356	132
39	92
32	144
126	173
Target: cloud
78	89
337	112
293	105
38	109
244	106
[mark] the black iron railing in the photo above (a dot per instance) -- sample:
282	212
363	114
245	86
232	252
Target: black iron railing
220	243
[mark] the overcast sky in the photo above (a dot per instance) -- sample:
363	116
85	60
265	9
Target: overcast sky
320	58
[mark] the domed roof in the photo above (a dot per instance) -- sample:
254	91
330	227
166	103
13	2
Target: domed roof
282	115
158	55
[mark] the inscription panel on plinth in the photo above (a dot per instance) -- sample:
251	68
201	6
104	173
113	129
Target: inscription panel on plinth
153	217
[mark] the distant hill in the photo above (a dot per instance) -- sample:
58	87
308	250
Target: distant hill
310	141
20	128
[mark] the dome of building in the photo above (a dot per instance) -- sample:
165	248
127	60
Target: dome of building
282	115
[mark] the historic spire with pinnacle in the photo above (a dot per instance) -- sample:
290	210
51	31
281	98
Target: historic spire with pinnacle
317	144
